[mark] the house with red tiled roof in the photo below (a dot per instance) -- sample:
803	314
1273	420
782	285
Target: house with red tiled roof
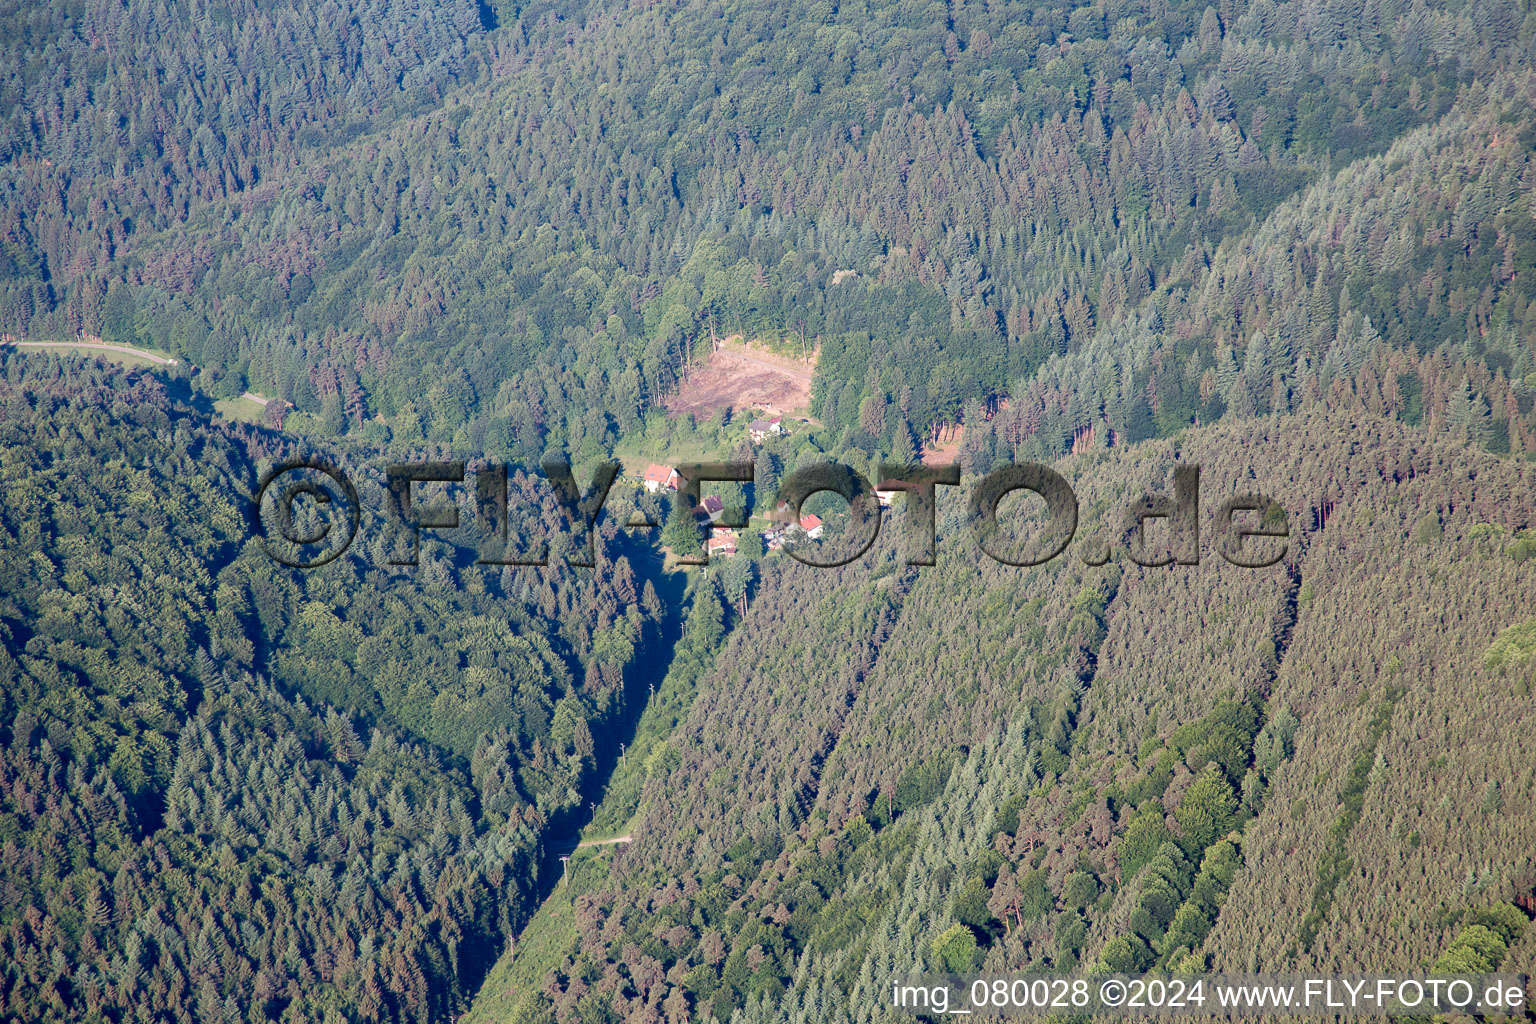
722	543
811	525
661	477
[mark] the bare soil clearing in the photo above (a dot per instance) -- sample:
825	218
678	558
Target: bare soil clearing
745	376
937	454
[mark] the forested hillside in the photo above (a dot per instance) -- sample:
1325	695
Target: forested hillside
228	791
1320	765
523	241
1293	241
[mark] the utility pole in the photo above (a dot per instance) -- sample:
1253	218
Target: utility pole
565	875
622	759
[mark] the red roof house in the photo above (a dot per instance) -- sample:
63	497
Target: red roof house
722	543
656	477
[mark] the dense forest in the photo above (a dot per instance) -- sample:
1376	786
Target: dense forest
516	239
229	791
1073	768
1291	241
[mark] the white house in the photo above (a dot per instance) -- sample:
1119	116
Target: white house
761	430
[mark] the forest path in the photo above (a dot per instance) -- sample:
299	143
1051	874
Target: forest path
100	346
544	939
570	844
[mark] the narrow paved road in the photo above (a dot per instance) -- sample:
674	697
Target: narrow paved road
125	349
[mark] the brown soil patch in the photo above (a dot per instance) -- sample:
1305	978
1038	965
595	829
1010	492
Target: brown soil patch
944	454
741	376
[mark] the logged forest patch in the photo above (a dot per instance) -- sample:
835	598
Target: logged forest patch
943	452
745	376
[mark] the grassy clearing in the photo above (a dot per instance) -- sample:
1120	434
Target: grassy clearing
509	994
139	357
242	410
670	442
504	996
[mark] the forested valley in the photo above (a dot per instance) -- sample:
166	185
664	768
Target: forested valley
235	794
1290	241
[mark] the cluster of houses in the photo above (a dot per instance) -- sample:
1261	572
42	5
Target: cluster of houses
722	540
809	524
